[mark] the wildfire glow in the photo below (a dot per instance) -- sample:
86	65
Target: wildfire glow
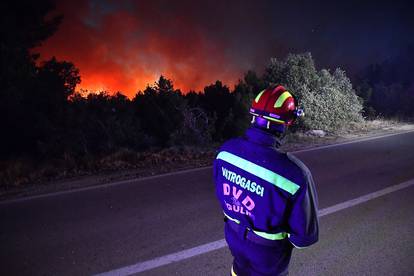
124	51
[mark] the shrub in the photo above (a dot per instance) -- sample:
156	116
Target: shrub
329	101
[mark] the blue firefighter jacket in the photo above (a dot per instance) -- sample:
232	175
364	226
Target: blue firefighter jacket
270	192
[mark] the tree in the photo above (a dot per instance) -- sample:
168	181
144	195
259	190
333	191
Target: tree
160	109
329	101
365	92
218	102
387	87
244	93
23	26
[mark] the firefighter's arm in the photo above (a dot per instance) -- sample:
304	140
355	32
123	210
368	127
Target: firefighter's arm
303	219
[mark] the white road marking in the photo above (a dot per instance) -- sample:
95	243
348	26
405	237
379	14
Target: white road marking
167	259
364	198
357	140
205	248
127	181
103	186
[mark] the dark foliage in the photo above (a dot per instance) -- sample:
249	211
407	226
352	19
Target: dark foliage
26	113
388	88
42	117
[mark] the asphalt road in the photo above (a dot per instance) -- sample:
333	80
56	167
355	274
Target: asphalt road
102	229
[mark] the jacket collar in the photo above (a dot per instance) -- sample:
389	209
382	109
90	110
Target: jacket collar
261	137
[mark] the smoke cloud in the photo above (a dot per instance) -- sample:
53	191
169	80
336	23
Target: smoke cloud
125	45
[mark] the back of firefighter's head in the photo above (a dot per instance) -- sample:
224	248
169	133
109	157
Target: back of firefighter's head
274	109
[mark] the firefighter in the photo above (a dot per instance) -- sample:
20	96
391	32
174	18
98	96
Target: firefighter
268	197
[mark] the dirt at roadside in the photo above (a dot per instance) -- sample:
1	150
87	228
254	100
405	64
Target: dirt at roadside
374	128
171	160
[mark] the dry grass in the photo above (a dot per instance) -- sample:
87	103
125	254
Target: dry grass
21	172
24	172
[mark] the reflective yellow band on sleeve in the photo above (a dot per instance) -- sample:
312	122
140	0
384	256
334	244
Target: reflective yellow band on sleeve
269	236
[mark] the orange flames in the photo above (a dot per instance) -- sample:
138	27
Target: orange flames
124	51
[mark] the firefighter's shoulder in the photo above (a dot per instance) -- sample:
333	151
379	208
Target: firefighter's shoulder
305	173
290	174
297	162
291	169
234	145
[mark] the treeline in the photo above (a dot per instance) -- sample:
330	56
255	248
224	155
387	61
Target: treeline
160	116
387	88
42	116
47	118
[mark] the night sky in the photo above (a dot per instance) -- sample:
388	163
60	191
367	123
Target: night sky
125	45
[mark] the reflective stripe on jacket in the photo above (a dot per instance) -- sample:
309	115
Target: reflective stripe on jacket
265	190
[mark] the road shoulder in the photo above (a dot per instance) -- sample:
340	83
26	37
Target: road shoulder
296	142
